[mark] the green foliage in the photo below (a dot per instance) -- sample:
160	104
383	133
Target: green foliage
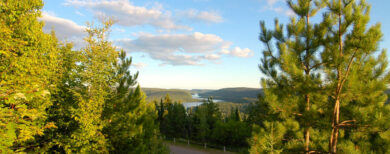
203	123
325	82
358	74
130	125
267	139
226	108
293	87
174	123
232	131
96	78
29	63
57	100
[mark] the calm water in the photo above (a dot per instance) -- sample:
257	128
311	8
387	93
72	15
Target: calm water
196	96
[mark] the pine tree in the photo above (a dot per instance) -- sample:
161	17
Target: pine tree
346	106
203	129
205	119
131	124
64	101
357	80
29	63
174	124
292	89
267	139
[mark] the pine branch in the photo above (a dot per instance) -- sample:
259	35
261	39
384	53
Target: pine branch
347	72
293	113
317	65
346	123
270	51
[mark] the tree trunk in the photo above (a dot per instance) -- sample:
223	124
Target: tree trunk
336	111
307	96
335	129
307	129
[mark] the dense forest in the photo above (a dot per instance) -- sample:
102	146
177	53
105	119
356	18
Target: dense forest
324	90
54	99
204	124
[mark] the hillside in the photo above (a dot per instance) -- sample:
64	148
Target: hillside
179	95
199	91
236	95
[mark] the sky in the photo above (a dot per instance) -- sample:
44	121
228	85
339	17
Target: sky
185	44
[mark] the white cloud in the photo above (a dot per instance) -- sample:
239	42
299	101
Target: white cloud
280	10
275	5
202	16
127	14
191	43
272	2
289	12
213	56
237	51
79	13
139	65
182	49
177	59
64	28
120	30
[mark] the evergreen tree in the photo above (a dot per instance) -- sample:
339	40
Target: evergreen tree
357	80
57	139
29	63
131	124
267	139
205	118
203	129
292	89
232	132
174	124
349	100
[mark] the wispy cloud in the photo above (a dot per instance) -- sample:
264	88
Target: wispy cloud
182	49
79	13
278	6
201	16
127	14
139	65
65	29
238	52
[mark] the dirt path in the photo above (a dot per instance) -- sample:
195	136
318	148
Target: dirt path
184	149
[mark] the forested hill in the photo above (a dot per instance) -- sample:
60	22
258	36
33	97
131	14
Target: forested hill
236	95
199	91
179	95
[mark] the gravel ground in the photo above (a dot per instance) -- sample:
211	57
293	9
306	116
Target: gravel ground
184	149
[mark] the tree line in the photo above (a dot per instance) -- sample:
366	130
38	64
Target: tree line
324	90
204	124
54	99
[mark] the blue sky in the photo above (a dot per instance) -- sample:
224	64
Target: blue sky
187	44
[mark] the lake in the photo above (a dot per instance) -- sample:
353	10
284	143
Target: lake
196	96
